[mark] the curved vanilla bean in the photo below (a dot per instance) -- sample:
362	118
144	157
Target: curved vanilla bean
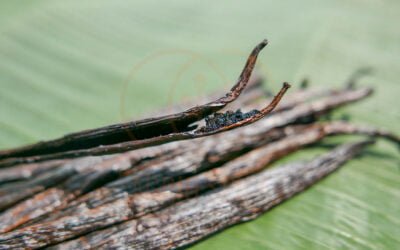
191	220
137	130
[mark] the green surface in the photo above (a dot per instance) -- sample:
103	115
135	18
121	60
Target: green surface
72	65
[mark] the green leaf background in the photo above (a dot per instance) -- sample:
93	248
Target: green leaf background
72	65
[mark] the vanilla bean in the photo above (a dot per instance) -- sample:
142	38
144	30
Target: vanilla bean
192	220
132	135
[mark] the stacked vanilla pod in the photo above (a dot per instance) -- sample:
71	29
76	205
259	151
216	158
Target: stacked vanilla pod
172	195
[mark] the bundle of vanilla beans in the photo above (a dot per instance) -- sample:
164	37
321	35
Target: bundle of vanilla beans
169	181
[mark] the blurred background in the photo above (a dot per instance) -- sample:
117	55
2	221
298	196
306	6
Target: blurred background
72	65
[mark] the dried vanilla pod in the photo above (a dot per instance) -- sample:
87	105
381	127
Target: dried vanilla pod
123	137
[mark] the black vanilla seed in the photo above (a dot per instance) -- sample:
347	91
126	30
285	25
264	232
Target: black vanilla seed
219	120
